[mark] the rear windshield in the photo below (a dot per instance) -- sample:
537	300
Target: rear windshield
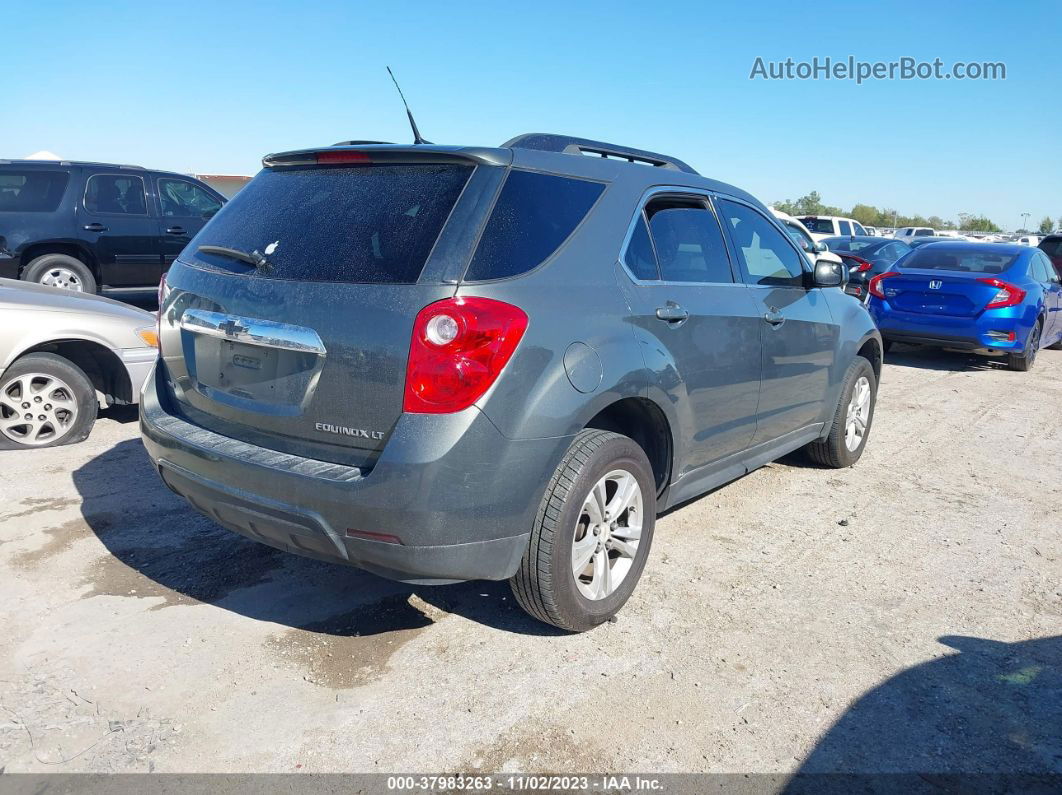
942	257
1052	246
820	226
365	224
847	244
534	214
31	191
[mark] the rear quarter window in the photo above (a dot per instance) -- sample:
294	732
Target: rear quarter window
362	224
31	190
535	213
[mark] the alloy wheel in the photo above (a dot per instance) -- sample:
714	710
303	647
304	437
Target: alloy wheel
858	417
607	534
63	278
36	409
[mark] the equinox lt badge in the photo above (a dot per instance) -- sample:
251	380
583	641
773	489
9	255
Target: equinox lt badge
357	433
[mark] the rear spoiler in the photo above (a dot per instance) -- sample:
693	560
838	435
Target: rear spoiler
367	154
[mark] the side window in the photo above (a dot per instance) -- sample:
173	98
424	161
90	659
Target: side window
859	230
845	227
118	194
640	257
1037	269
688	242
534	214
182	199
767	257
799	237
1052	274
31	191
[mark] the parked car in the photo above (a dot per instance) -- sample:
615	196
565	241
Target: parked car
86	226
886	231
1052	247
1028	240
988	298
452	363
823	226
921	241
813	249
865	258
909	233
872	231
59	350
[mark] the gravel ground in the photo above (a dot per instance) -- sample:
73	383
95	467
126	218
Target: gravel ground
905	614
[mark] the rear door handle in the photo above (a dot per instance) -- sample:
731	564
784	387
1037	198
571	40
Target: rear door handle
175	230
672	313
95	228
774	317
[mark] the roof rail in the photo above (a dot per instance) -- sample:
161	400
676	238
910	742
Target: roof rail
548	142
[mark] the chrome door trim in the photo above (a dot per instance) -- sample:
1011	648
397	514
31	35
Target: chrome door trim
266	333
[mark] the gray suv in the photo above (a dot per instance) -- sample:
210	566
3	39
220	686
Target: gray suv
451	363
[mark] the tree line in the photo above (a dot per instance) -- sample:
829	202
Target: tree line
869	215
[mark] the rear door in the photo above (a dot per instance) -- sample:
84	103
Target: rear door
184	208
119	223
800	336
699	328
306	352
1044	273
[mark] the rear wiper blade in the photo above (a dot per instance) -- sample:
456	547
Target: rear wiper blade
252	258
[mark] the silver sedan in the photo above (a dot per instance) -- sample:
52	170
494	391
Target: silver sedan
62	354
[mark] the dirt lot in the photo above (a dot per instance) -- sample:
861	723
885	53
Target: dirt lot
902	615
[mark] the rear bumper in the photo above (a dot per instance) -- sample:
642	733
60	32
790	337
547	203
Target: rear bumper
964	333
459	495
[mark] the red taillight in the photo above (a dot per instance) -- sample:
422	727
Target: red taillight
874	285
342	156
459	347
857	264
1008	294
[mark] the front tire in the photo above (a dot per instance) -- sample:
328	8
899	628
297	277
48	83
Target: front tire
45	401
60	270
592	534
851	421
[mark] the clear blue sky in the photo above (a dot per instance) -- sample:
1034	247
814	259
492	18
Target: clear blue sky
211	87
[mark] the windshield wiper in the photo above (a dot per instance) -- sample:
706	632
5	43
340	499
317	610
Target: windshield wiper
252	258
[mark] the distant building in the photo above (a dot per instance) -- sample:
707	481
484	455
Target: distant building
228	185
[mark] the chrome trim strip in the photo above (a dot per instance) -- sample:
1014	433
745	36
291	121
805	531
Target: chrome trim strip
266	333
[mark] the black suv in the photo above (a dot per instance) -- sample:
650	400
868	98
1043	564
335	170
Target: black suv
83	226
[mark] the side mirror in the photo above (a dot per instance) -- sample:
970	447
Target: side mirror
829	274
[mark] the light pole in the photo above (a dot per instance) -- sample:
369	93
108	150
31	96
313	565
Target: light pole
1024	222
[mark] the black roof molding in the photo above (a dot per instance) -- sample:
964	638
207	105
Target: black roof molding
548	142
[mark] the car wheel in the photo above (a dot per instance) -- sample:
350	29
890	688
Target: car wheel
852	420
592	534
60	270
45	401
1024	362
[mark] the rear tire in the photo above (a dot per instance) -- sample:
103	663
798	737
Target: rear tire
1024	362
60	270
45	401
600	468
851	421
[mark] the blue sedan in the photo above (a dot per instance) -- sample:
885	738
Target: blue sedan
982	297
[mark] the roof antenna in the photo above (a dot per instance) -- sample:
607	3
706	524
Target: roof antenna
416	133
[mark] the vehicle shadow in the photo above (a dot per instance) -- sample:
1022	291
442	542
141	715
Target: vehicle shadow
161	547
993	710
123	415
928	358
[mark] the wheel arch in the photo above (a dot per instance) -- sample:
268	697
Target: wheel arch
646	423
77	250
105	370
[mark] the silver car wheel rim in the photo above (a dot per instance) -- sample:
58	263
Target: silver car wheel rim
858	415
36	409
608	533
63	278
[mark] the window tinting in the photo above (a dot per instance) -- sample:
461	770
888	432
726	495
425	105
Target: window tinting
534	214
31	191
118	194
798	236
820	226
1052	246
942	257
640	257
922	232
767	256
689	245
845	227
1037	270
368	224
180	198
859	230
